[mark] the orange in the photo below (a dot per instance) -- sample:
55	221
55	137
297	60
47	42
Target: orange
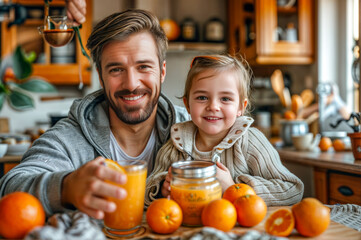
171	29
219	214
114	165
338	145
311	216
164	216
289	115
325	144
237	190
280	223
20	212
251	210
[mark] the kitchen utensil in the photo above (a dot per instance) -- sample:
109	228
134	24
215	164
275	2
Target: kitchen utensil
313	117
296	104
286	98
307	97
278	84
57	30
306	141
290	128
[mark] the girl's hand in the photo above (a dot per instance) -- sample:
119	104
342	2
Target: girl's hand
224	176
166	184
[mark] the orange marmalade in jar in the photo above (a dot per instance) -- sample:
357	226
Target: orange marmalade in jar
193	186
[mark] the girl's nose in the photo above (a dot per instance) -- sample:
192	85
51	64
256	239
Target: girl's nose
213	105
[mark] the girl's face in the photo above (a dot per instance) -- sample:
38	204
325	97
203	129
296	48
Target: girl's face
214	102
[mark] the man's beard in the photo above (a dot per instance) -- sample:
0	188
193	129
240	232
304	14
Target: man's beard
127	116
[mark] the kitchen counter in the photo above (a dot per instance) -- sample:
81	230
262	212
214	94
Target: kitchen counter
338	161
7	162
336	175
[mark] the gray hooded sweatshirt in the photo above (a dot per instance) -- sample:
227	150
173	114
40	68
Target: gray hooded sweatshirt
72	142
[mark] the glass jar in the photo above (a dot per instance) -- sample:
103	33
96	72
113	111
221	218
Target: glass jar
193	186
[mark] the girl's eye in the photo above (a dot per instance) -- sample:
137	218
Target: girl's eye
225	99
202	98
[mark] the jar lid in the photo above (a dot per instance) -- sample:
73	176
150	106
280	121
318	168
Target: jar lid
194	169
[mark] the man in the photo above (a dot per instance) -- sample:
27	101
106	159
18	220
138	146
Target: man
128	119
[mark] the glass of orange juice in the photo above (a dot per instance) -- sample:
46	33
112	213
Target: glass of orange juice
127	218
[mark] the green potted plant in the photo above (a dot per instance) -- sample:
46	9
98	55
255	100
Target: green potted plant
17	82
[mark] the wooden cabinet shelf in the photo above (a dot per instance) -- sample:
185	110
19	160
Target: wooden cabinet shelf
196	46
74	70
263	37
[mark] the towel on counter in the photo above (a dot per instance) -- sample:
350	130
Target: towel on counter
70	226
347	214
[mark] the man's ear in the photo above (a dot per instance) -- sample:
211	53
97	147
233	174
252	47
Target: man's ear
163	71
242	108
185	102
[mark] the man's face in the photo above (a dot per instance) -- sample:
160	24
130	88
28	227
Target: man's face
131	77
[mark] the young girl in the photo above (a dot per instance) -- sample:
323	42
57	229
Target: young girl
215	95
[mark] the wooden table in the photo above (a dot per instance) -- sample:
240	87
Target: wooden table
335	231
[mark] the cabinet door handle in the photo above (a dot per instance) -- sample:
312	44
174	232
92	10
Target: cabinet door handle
345	190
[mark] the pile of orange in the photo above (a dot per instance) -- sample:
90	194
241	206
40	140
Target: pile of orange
310	218
338	145
289	115
239	204
20	212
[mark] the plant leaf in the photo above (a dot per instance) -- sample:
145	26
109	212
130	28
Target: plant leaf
22	67
20	101
2	99
37	85
31	56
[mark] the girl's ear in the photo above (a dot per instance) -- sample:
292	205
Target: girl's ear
185	102
242	108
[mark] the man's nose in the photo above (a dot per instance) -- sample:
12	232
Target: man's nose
131	80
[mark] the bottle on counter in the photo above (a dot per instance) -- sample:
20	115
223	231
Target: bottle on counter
214	30
193	186
189	30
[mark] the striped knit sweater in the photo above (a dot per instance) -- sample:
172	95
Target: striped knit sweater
245	151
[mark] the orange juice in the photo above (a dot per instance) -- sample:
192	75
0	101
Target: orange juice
127	217
192	201
193	186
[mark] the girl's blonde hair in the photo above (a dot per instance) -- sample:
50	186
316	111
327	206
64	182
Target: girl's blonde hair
222	62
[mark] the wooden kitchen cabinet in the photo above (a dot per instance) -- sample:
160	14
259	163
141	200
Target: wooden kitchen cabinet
258	30
27	35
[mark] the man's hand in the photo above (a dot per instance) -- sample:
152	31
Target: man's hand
76	10
87	190
224	176
166	184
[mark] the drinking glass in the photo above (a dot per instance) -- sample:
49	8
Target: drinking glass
57	30
127	218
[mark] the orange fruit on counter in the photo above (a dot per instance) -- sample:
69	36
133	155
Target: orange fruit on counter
251	210
164	216
289	115
311	216
20	213
237	190
171	29
338	145
280	223
325	144
219	214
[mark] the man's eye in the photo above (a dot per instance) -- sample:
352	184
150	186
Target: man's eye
202	98
144	67
114	70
